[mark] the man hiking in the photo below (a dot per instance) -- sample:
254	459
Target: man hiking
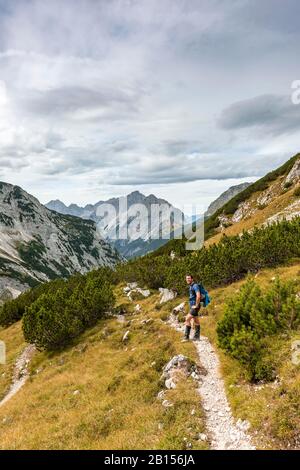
194	300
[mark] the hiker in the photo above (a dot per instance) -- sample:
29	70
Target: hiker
195	305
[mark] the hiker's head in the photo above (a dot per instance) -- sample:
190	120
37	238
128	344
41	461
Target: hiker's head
189	279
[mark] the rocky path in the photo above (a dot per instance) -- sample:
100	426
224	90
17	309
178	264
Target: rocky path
224	432
20	374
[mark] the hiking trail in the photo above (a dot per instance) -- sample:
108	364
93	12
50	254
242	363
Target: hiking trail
224	432
20	374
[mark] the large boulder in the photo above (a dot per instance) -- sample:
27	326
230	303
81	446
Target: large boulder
166	295
179	309
177	367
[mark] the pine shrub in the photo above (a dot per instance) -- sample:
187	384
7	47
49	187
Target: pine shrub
250	317
219	264
56	318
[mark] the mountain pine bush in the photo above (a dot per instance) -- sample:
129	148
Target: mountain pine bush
219	264
56	317
13	310
251	317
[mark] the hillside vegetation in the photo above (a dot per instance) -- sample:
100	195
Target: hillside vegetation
101	391
271	198
220	263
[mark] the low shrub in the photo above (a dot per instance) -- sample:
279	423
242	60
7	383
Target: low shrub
250	317
55	318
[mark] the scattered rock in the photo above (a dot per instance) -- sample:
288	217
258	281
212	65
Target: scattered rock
81	348
169	383
7	420
167	403
179	308
166	295
195	376
178	364
161	395
121	318
126	336
144	292
132	285
137	308
76	392
202	437
243	425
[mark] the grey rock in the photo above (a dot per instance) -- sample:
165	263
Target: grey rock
166	295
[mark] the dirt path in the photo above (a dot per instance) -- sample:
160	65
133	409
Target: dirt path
20	374
224	432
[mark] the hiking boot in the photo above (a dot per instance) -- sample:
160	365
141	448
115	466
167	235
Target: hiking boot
186	334
197	333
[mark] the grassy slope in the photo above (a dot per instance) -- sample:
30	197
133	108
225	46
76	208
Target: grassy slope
282	200
251	193
116	407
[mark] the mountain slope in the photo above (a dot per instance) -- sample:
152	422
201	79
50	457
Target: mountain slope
225	197
271	198
37	244
133	246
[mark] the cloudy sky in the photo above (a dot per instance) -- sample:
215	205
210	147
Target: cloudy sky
180	98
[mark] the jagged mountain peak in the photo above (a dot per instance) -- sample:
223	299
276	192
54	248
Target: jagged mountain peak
37	244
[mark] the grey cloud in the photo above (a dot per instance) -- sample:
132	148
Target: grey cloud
198	168
66	100
273	114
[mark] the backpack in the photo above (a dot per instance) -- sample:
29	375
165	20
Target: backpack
205	298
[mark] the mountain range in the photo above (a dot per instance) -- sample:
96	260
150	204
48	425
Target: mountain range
145	243
37	244
144	239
